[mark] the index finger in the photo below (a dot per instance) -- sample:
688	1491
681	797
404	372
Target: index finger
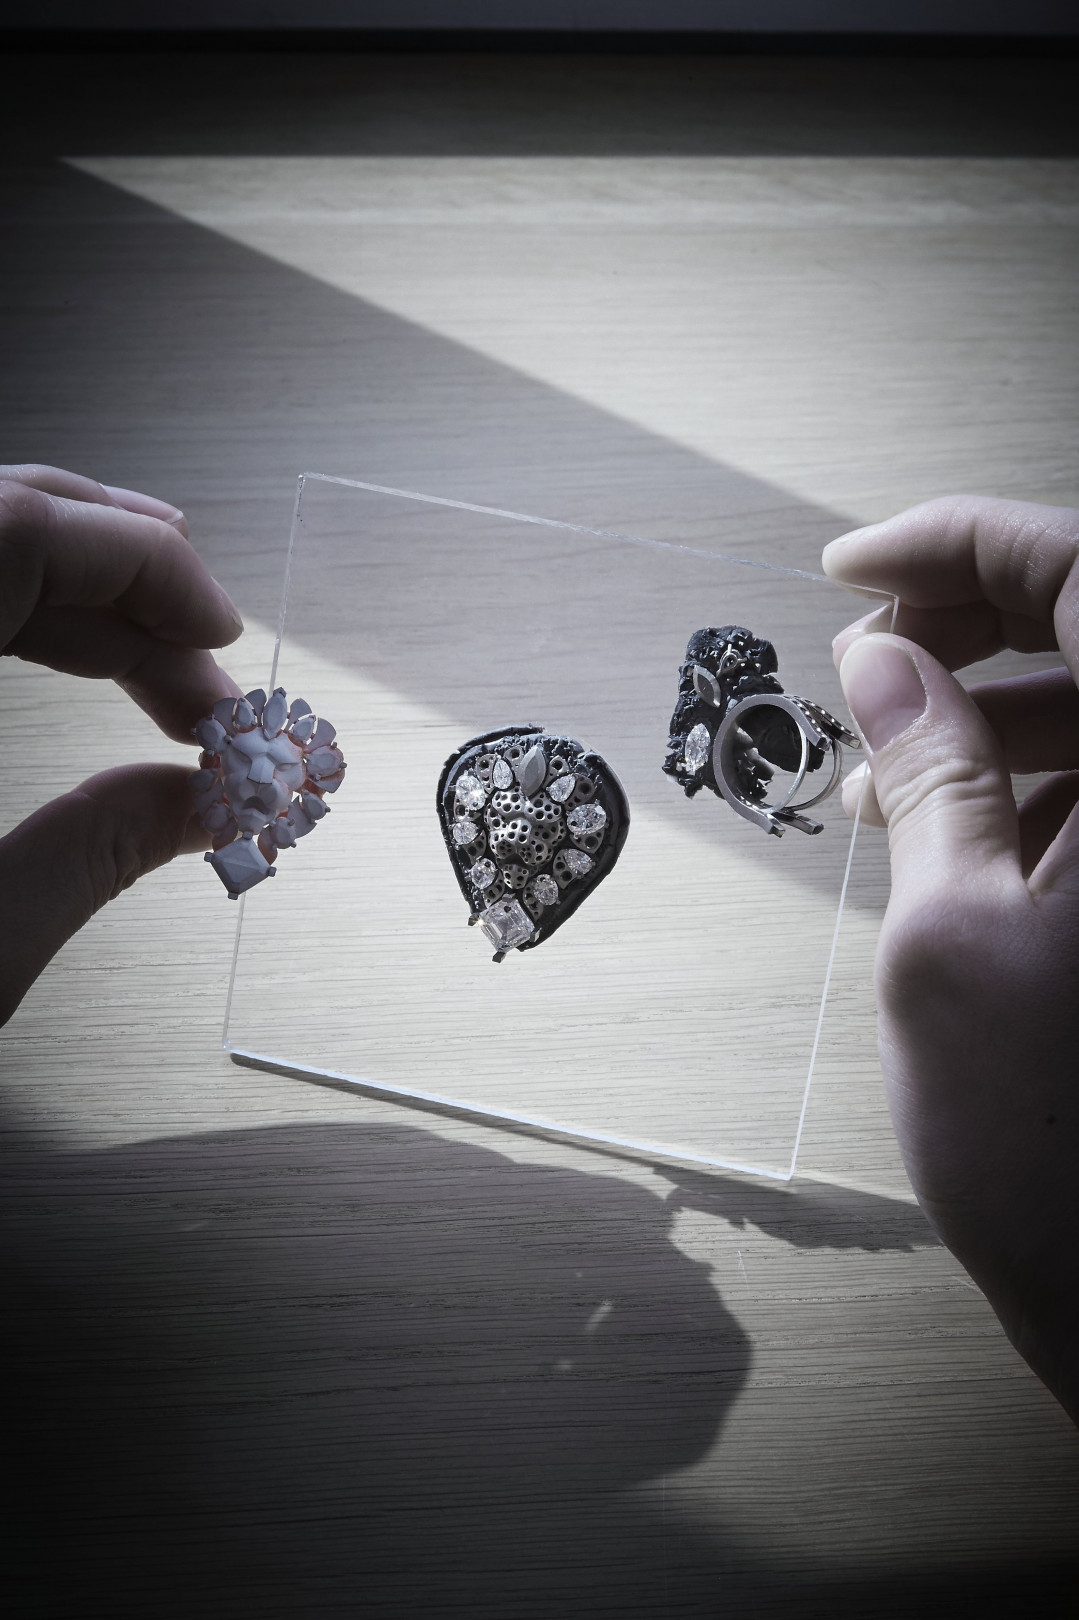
59	552
58	481
971	554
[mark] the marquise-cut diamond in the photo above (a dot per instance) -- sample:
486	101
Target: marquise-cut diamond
578	862
501	775
698	746
545	890
586	818
471	793
483	874
531	771
465	831
561	788
506	924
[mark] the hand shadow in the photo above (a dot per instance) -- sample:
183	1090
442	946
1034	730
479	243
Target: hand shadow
300	1368
328	1369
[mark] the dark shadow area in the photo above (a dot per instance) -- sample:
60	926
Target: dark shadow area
142	345
322	1370
330	1370
316	1370
807	1214
462	103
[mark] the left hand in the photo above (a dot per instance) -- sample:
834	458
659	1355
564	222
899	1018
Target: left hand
102	582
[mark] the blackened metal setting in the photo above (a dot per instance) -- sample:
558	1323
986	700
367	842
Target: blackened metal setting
733	726
532	822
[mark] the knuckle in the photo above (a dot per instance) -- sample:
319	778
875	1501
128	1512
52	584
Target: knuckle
944	782
23	510
25	517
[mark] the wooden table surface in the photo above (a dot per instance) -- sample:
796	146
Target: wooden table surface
286	1351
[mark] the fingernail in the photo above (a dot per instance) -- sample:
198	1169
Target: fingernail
883	689
879	620
229	606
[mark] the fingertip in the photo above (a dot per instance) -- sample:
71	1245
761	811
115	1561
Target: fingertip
837	552
177	686
133	500
938	772
883	687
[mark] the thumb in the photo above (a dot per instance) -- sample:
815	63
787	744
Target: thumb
75	854
939	772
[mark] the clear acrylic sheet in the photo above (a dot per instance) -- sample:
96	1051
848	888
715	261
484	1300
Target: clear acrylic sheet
678	1013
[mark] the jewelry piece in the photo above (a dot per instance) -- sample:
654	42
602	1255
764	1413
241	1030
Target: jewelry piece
532	823
733	726
257	752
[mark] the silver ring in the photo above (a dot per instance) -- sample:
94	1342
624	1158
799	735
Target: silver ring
773	817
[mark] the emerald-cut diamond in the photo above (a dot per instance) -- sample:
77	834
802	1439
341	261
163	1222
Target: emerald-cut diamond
506	924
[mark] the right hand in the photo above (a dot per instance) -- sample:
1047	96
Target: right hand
978	964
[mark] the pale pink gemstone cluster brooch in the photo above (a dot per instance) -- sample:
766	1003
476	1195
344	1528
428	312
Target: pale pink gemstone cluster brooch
266	768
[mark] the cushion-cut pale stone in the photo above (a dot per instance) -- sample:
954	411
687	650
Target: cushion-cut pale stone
471	793
561	788
506	924
586	818
483	874
465	831
240	866
698	746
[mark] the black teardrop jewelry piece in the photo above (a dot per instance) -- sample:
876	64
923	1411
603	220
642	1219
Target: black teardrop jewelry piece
532	823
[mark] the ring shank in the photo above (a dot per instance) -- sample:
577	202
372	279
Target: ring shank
809	732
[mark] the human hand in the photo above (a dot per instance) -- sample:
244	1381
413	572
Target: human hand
101	582
978	964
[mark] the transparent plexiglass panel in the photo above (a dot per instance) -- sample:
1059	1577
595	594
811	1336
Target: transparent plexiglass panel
678	1012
